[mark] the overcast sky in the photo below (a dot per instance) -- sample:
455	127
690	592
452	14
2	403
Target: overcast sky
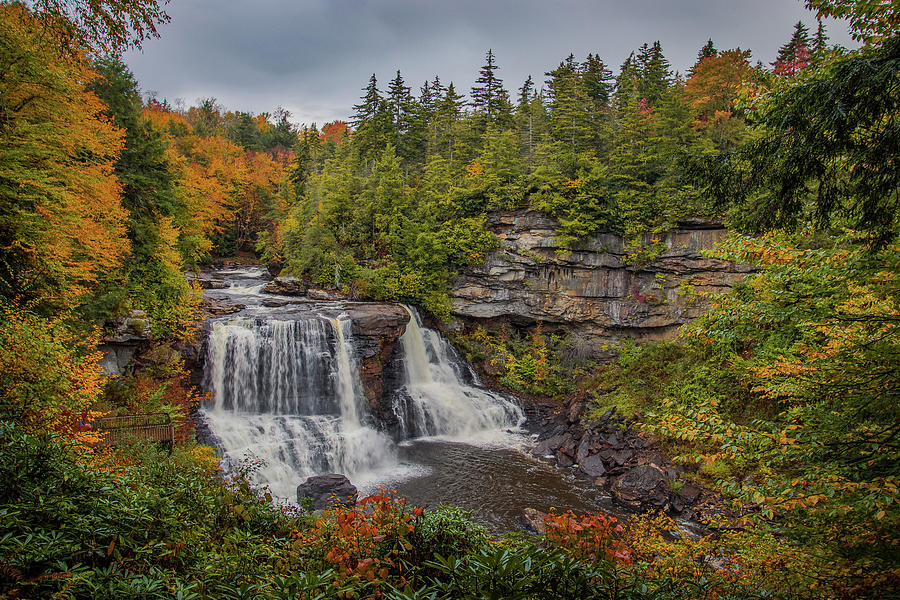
314	56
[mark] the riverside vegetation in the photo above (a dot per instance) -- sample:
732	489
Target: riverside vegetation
783	397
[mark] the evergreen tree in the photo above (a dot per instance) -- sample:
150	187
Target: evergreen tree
366	109
242	130
655	75
154	269
597	80
799	39
820	40
489	97
569	105
282	133
525	119
449	110
707	51
526	92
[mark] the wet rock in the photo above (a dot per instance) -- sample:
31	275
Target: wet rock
584	449
213	284
376	330
543	449
642	487
557	442
593	467
569	447
549	433
278	303
532	521
564	460
286	286
327	490
575	412
689	493
320	294
217	308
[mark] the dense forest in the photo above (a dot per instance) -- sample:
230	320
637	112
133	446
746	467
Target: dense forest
784	398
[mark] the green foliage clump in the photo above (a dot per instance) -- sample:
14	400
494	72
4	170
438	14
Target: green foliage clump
533	362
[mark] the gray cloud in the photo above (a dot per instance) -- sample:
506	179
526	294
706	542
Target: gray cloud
313	56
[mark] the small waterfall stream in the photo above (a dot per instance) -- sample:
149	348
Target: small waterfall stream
436	401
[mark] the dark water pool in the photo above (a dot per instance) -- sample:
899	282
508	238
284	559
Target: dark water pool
495	483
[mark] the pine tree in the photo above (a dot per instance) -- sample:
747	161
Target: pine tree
707	51
489	96
655	75
597	80
799	39
820	40
369	105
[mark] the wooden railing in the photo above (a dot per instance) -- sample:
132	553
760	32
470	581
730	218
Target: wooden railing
126	429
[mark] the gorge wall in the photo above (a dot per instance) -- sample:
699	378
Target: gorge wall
592	290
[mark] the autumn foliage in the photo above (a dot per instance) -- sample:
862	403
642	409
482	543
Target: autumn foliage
62	225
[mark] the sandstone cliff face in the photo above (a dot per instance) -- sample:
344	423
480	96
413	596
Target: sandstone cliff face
592	290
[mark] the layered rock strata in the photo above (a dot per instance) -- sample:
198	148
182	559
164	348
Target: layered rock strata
596	289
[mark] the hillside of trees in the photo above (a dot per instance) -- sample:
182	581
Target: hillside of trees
784	398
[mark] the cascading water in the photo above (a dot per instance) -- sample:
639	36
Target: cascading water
286	393
436	401
283	375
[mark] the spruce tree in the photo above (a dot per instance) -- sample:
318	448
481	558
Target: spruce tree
820	40
489	96
707	51
597	80
369	105
449	110
799	39
627	82
655	75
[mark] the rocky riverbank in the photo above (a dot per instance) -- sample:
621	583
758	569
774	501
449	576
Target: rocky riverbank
618	457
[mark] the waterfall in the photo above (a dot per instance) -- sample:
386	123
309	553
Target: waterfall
436	400
286	398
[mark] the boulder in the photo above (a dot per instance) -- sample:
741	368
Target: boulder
213	284
333	489
218	308
132	331
575	413
592	466
532	521
286	286
689	493
584	449
320	294
642	487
